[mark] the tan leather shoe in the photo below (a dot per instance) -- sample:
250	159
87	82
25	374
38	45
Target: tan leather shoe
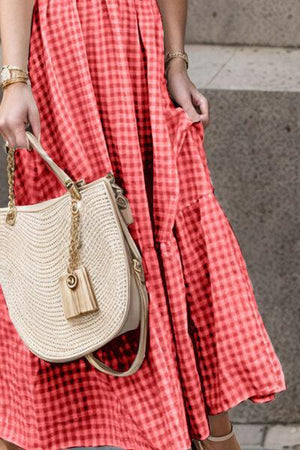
218	442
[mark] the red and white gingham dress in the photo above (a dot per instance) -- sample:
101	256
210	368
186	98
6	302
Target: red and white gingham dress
97	74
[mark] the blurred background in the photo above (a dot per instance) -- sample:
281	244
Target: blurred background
245	58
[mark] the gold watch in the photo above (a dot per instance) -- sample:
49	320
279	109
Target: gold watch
10	74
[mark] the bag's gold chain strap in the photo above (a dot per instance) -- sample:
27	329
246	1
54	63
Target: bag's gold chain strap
11	214
74	244
74	237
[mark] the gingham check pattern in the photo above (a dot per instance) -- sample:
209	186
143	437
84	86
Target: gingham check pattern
97	74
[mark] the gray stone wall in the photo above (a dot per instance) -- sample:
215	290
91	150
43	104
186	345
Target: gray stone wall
248	22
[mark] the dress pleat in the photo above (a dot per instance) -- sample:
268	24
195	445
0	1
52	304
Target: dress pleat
97	75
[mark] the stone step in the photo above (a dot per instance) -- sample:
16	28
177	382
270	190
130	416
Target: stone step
252	147
263	436
247	22
245	68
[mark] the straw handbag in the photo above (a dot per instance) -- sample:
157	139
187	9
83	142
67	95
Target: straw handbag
71	274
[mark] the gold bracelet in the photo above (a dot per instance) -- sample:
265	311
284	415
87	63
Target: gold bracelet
9	73
14	80
177	54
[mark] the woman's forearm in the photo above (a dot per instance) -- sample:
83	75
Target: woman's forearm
15	26
174	16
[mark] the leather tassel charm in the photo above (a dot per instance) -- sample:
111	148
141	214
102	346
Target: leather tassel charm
77	293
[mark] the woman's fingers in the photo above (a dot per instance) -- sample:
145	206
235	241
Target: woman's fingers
7	133
191	111
16	110
4	136
202	106
197	108
34	120
20	137
14	133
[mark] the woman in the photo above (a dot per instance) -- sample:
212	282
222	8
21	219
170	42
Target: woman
99	94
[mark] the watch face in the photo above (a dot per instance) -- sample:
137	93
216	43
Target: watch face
5	74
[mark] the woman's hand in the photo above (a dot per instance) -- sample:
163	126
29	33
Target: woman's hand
184	93
17	109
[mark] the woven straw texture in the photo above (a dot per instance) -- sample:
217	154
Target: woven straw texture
31	283
97	73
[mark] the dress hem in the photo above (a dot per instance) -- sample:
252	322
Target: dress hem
126	444
266	397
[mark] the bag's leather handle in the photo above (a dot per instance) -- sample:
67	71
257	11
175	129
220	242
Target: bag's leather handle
137	362
36	145
58	172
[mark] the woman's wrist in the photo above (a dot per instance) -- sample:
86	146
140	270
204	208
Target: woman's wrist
15	87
